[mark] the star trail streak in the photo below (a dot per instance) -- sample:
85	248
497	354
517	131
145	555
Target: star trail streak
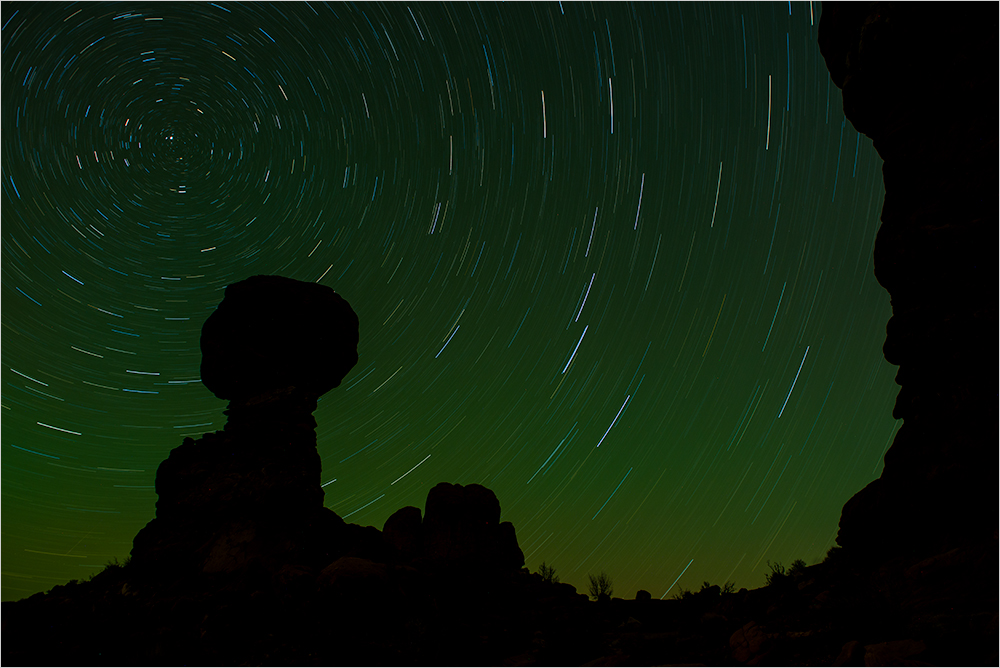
465	176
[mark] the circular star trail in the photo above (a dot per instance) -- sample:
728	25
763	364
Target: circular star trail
611	261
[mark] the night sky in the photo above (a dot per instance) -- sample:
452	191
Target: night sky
613	262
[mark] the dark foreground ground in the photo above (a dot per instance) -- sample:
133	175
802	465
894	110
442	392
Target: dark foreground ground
936	609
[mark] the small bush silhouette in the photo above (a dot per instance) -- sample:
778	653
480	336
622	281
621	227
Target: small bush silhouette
797	568
600	585
114	564
548	574
777	575
706	586
112	569
682	594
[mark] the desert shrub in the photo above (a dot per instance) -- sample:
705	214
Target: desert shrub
113	571
548	574
682	594
727	588
709	589
600	585
777	574
115	565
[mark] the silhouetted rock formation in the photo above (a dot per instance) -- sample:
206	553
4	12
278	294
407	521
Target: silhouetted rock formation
272	332
920	79
461	532
244	565
241	535
248	498
402	531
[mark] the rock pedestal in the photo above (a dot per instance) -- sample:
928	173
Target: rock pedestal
249	497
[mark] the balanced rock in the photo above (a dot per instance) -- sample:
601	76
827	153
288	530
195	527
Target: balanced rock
249	497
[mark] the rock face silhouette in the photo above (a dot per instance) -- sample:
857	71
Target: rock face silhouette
246	502
248	498
460	532
920	79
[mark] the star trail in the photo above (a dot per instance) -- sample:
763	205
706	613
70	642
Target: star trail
611	261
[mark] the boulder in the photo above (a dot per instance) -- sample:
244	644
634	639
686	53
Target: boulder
294	579
895	653
462	530
747	642
402	531
363	575
271	332
851	654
